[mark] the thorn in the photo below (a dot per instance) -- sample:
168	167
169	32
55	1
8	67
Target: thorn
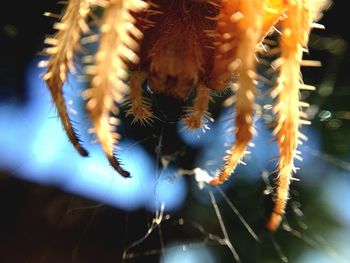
317	26
236	17
49	14
51	41
43	64
310	63
307	87
305	122
302	136
298	157
60	26
304	104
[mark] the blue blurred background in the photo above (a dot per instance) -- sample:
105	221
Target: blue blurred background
60	207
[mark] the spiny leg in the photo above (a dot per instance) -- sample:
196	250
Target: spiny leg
227	38
64	45
295	30
139	107
249	30
197	115
110	70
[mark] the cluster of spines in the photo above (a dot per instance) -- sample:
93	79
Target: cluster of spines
197	116
138	106
118	44
153	10
235	54
295	29
63	46
243	63
241	26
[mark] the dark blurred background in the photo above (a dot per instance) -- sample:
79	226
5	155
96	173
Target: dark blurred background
57	207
